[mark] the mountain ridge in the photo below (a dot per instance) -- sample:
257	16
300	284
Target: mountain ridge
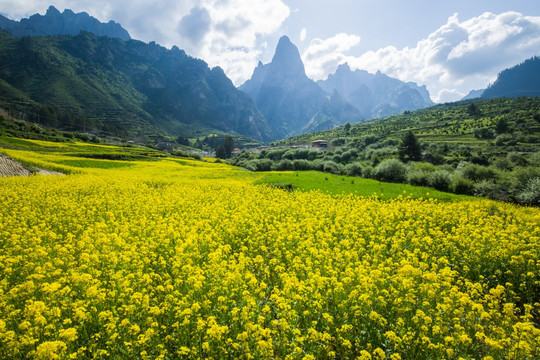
291	102
142	88
376	95
520	80
65	23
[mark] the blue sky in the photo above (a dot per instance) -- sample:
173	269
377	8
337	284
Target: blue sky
451	47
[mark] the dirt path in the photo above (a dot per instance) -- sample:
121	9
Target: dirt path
10	167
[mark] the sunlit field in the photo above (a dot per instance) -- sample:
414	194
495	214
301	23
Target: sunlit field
168	258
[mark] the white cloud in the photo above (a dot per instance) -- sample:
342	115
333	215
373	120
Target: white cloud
303	34
232	42
322	56
459	56
226	33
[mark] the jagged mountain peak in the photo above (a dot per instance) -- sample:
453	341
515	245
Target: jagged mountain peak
375	95
52	11
291	102
287	60
67	22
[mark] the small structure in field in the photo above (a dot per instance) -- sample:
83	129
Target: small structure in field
319	144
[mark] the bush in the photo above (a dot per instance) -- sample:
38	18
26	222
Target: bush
462	186
521	176
440	180
367	172
530	195
502	164
418	178
301	165
262	164
275	154
502	139
284	164
332	167
391	170
485	188
354	169
478	173
349	156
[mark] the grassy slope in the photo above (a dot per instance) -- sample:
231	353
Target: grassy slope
336	185
446	123
75	157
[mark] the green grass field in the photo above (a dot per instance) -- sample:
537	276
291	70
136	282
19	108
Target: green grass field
336	185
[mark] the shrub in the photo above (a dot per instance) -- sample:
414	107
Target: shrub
354	169
275	154
530	195
418	178
502	164
485	188
391	170
367	172
478	173
301	164
332	167
440	180
502	139
284	164
262	164
462	186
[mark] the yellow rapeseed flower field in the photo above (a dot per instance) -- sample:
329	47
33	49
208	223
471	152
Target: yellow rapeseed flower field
182	259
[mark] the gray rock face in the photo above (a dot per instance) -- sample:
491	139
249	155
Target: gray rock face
376	95
66	23
291	102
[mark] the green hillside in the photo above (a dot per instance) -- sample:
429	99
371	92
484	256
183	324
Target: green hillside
130	89
476	147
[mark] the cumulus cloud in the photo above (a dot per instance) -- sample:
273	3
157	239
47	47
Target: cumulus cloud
322	56
303	34
233	37
231	34
460	55
195	25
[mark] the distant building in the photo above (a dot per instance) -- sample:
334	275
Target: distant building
319	143
164	146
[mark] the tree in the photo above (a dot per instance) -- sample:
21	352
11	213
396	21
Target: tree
224	151
501	126
409	149
473	110
347	127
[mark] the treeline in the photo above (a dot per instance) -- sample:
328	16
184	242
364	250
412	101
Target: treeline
512	176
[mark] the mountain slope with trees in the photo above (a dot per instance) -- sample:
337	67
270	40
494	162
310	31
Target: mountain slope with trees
476	147
520	80
134	89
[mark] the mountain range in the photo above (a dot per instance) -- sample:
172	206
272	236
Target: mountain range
66	23
140	88
520	80
291	102
97	73
376	95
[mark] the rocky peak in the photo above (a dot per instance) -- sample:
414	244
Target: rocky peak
287	61
66	23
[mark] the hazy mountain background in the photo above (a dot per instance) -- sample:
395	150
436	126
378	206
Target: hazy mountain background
65	23
376	95
291	102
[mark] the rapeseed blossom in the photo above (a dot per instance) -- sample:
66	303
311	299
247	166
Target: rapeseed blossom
173	259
